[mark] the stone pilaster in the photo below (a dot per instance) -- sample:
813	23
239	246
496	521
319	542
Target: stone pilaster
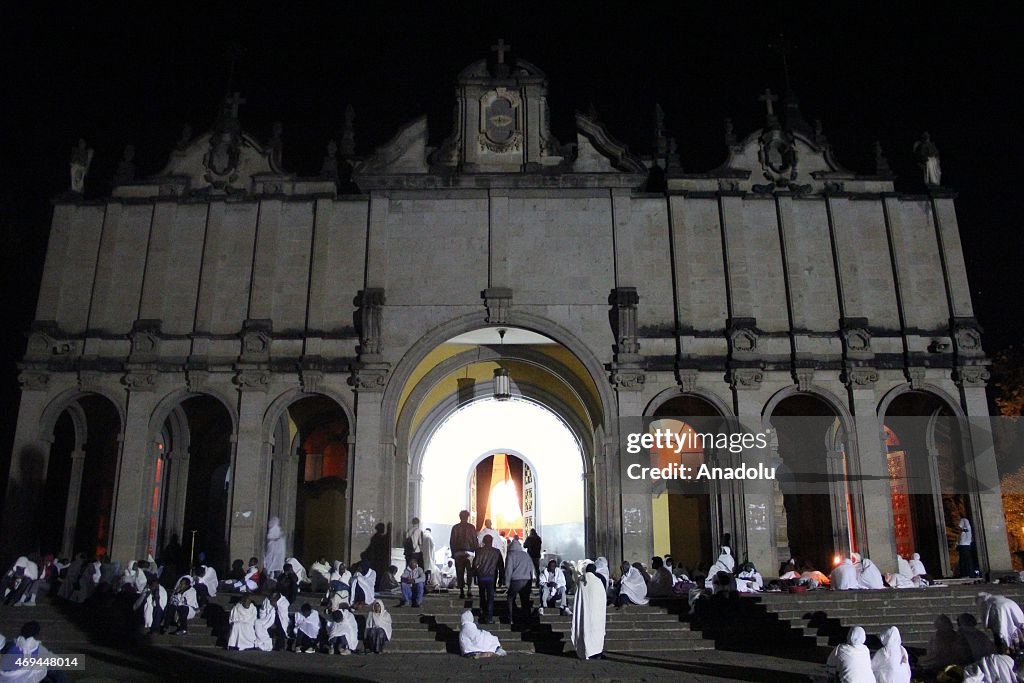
71	506
134	483
247	520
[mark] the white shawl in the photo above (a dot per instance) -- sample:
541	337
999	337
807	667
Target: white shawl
634	587
870	577
209	579
844	577
891	663
365	581
903	567
851	661
472	639
243	626
297	567
991	669
588	616
263	625
602	569
379	620
346	627
309	625
273	559
917	566
1003	616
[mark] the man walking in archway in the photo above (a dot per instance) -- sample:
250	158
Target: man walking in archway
463	544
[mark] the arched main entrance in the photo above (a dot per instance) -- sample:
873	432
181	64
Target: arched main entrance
453	473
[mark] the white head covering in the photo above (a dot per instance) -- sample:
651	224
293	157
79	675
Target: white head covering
870	577
851	661
634	587
380	620
602	569
297	567
844	576
891	663
472	639
996	668
917	566
903	568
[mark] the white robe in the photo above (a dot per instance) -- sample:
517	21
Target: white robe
472	639
263	624
917	566
991	669
844	577
273	559
602	569
891	663
243	626
186	598
134	578
634	587
209	579
29	647
299	570
870	577
1002	616
749	582
346	627
382	620
903	568
427	548
365	581
588	616
145	603
851	661
87	584
248	583
309	625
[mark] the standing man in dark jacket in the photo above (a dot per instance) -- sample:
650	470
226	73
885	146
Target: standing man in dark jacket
463	544
488	569
378	553
533	547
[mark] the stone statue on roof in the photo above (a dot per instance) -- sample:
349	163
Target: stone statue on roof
81	159
928	159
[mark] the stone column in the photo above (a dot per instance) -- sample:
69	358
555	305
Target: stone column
67	547
366	487
637	514
988	522
27	477
177	490
937	509
134	487
758	498
245	530
835	462
877	538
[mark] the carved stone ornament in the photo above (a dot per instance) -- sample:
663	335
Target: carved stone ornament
861	378
145	338
33	380
804	378
311	380
45	342
252	380
916	376
256	337
501	128
624	301
221	160
687	378
967	336
856	337
369	378
498	301
371	312
742	336
629	379
777	155
972	375
140	381
746	378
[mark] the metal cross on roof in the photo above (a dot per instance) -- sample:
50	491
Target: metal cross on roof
768	98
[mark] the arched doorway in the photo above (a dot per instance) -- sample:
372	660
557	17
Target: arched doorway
928	478
687	523
81	473
310	468
453	475
815	501
503	489
192	482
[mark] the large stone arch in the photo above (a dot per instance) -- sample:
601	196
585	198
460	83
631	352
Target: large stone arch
661	398
59	403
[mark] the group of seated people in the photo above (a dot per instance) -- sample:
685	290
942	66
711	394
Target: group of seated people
855	573
961	653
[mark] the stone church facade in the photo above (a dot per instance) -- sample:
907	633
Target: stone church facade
777	284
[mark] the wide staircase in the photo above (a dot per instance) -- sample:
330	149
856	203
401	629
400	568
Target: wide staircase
431	628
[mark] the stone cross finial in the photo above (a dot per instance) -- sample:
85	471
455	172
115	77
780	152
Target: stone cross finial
234	101
501	48
768	98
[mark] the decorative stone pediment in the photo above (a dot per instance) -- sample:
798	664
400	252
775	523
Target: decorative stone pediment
742	334
967	337
856	338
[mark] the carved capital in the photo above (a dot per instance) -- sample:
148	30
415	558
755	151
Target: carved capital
746	378
142	380
860	377
33	380
628	379
256	336
252	380
623	301
498	301
370	320
972	375
46	342
369	377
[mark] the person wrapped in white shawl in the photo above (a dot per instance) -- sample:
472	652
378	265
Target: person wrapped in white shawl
243	618
589	614
152	602
363	580
891	664
273	558
273	618
917	568
300	571
991	669
632	587
342	631
474	641
378	628
1003	617
307	629
850	662
844	577
725	564
870	576
749	579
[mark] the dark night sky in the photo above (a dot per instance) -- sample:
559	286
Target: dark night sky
118	74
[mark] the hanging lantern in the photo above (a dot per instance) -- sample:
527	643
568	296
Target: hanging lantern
502	385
